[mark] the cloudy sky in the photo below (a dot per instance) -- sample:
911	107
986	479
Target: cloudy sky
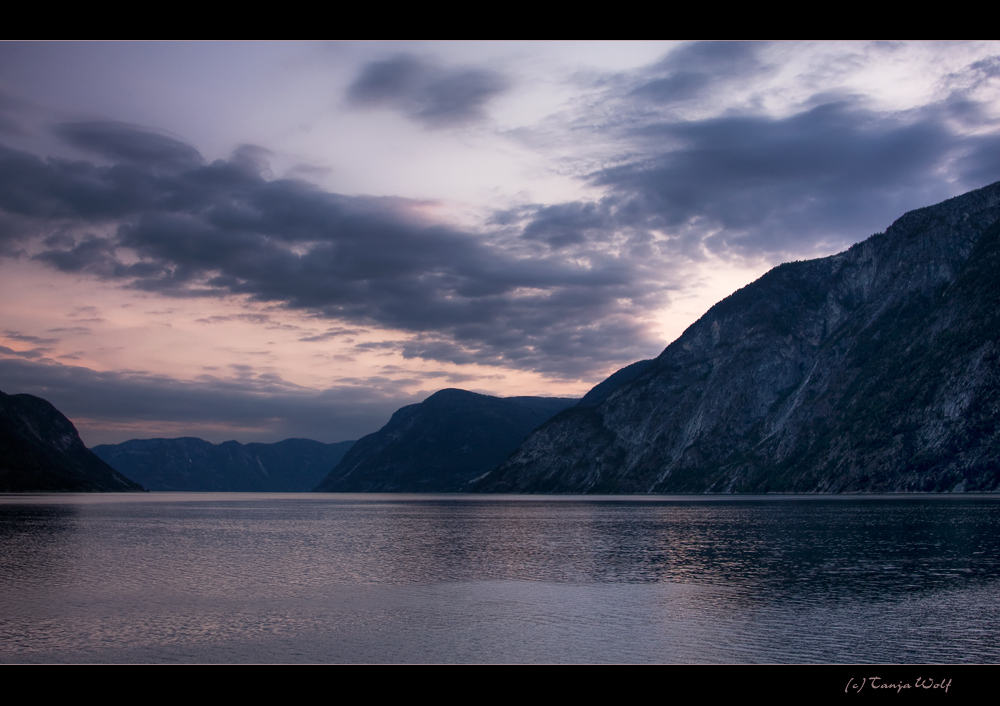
258	241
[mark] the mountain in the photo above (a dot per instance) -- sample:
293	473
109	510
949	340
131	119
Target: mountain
41	451
874	370
189	464
441	444
602	390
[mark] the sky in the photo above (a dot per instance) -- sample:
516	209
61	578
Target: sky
257	241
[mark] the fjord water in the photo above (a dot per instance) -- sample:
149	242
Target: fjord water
171	577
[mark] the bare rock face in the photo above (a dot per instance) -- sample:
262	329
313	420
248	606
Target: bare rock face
874	370
41	451
440	445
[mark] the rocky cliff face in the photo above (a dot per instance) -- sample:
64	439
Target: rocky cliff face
191	464
41	451
874	370
441	444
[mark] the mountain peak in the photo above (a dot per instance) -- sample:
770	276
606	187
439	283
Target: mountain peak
441	444
41	451
873	370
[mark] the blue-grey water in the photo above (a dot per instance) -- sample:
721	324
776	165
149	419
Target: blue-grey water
176	577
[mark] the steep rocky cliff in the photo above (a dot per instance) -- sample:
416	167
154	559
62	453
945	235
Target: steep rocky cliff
41	451
874	370
441	444
191	464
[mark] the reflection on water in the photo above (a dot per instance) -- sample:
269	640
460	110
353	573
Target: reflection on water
397	578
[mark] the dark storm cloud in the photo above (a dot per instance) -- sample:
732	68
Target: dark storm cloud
60	188
537	340
122	142
776	185
569	224
422	91
563	289
746	183
540	302
693	69
255	407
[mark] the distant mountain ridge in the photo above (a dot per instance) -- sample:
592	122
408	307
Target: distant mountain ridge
441	444
41	451
191	464
873	370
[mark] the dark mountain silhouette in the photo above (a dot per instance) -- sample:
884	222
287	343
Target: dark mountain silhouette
441	444
874	370
190	464
41	451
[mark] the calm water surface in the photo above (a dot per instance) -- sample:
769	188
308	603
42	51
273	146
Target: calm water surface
176	577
